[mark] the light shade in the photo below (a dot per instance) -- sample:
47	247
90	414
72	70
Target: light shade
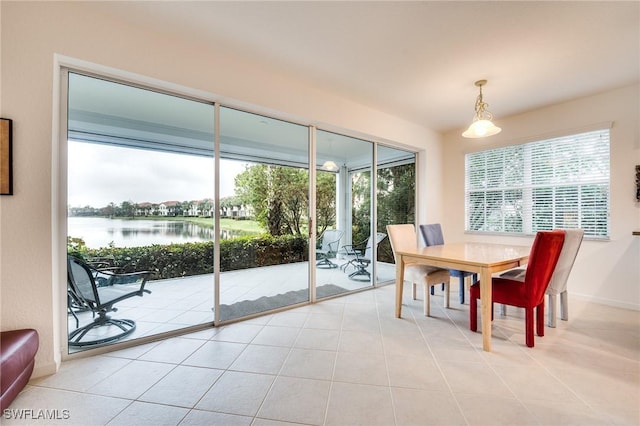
481	129
482	125
330	165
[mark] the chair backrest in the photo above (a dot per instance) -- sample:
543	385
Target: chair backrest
331	239
432	234
401	237
543	258
368	251
572	242
81	282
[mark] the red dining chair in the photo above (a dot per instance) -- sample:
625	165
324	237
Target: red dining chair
530	293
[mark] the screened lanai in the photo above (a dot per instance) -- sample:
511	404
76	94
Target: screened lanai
142	159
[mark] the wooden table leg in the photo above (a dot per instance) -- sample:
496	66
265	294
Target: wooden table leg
485	302
399	285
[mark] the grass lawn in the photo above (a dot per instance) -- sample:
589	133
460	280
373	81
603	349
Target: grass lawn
249	226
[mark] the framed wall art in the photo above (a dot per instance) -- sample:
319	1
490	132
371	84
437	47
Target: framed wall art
6	153
638	183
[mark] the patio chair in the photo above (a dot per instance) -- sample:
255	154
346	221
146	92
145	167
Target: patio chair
361	257
329	247
85	293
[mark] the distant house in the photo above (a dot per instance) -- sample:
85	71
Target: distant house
144	209
200	208
236	211
170	208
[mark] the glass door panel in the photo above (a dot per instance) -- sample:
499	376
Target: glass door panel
343	214
264	206
395	200
140	198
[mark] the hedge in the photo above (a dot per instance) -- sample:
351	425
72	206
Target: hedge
181	260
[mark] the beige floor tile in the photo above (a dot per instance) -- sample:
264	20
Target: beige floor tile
360	342
67	408
133	352
326	321
215	354
565	413
277	336
146	414
132	380
296	400
353	404
533	382
318	339
473	379
309	363
361	368
261	359
183	386
239	333
289	319
237	393
605	386
81	374
493	410
415	372
406	345
426	407
209	418
172	351
426	370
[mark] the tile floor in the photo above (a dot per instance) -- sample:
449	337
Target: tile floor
182	302
348	361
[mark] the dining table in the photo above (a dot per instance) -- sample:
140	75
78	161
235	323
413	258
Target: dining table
484	259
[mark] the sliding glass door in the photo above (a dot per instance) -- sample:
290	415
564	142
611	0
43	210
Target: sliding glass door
396	200
140	198
214	218
346	245
264	200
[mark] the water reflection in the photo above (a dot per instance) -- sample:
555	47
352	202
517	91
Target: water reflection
99	232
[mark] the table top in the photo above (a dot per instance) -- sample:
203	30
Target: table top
478	254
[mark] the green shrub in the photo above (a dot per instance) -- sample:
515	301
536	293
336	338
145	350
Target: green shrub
181	260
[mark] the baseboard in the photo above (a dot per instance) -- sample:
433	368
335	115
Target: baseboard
41	370
604	301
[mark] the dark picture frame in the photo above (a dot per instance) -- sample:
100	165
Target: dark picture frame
638	183
6	156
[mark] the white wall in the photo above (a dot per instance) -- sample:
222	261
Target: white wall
607	272
31	290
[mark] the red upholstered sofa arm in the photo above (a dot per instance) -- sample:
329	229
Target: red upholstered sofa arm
17	357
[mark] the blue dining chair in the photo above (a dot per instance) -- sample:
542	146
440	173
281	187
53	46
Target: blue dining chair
432	236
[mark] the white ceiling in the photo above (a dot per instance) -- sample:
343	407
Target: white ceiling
419	60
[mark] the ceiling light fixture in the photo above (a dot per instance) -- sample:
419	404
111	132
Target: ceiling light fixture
482	125
330	165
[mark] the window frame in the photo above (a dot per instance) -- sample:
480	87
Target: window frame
555	165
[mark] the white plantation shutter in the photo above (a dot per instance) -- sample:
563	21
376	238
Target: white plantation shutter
555	183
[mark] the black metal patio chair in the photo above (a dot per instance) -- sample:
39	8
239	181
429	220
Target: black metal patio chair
85	294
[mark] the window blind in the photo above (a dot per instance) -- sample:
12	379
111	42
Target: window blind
554	183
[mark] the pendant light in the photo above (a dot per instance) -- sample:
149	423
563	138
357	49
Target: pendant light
330	166
482	125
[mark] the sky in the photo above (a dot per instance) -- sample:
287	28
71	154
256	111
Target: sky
101	174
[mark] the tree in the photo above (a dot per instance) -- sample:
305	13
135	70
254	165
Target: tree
325	200
279	197
396	194
127	209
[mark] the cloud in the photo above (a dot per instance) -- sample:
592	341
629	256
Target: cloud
101	174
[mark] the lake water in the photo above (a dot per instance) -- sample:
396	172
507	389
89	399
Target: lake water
100	232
